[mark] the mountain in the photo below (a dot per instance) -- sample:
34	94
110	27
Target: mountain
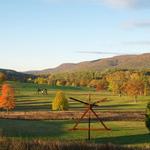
17	76
120	62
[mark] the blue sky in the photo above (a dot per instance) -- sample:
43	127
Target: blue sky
39	34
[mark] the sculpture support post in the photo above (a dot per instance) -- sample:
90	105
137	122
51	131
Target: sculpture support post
89	129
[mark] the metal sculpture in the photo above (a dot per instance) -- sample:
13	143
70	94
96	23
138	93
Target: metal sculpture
89	110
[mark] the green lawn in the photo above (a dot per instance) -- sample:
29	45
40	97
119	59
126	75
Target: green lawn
123	132
28	100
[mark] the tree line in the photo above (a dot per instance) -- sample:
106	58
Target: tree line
119	82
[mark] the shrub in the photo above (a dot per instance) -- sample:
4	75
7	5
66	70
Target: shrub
60	102
147	118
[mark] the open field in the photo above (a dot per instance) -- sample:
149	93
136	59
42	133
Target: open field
28	100
125	130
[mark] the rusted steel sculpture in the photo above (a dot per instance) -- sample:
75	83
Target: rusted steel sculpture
89	110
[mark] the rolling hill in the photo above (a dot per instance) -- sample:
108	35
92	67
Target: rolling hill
120	62
17	76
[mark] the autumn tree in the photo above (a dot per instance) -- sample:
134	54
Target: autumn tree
40	80
51	80
83	82
134	88
93	83
101	85
2	77
75	83
136	76
116	81
61	82
7	99
60	102
146	85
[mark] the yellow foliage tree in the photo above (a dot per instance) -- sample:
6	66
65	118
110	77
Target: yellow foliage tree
116	81
60	102
2	77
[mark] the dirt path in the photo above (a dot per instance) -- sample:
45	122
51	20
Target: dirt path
68	115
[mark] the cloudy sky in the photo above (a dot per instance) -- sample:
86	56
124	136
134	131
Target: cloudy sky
39	34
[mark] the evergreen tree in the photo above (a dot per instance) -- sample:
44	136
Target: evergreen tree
147	118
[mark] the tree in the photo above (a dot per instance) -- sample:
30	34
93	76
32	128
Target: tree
60	102
116	81
147	118
83	82
2	77
101	85
52	80
40	80
134	88
61	83
93	83
7	100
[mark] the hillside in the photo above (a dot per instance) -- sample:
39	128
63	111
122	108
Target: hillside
17	76
121	62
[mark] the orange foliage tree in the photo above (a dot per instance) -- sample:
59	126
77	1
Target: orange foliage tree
134	88
7	99
102	85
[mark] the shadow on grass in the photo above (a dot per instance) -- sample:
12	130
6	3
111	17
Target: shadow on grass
34	108
32	103
31	129
117	105
131	139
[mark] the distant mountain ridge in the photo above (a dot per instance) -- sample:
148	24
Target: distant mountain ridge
141	61
120	62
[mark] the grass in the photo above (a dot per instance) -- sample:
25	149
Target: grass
123	132
28	100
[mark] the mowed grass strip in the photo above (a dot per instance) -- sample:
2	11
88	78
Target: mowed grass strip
123	132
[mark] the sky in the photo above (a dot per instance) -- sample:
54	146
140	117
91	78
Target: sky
40	34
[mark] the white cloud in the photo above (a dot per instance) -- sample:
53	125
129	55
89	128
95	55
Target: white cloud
112	3
100	52
120	3
137	43
137	24
127	3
